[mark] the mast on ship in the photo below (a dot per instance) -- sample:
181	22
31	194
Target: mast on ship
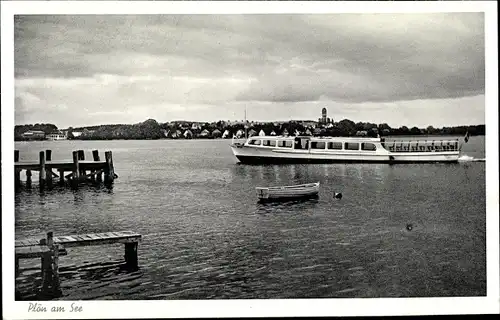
246	127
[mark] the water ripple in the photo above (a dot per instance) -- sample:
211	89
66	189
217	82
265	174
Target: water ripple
205	236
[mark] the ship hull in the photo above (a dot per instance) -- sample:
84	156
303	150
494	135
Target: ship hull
262	150
250	155
281	160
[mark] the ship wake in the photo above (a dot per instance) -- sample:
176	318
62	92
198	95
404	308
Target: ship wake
466	158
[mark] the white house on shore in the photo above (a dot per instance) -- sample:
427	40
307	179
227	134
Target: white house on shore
33	134
240	134
205	133
56	136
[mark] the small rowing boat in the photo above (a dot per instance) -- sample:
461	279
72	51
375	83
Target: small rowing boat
300	191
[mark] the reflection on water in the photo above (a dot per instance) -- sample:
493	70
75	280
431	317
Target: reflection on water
205	235
293	172
279	206
57	189
274	175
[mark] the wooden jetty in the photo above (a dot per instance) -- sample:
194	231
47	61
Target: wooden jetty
50	248
79	169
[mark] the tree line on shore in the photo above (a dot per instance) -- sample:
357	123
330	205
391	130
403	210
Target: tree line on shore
151	130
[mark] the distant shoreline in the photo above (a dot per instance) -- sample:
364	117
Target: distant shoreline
229	139
152	130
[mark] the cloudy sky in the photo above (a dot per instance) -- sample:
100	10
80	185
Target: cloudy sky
402	69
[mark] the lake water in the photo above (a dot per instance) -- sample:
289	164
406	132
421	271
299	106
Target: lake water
205	236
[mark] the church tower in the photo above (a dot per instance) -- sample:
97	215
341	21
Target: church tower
323	115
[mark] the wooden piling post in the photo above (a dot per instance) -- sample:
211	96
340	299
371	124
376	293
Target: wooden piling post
95	156
81	157
109	171
48	169
42	176
46	273
76	169
48	155
48	176
28	178
56	285
17	267
131	260
47	265
51	286
43	242
61	176
17	173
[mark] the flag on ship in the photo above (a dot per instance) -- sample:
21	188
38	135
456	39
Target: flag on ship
466	136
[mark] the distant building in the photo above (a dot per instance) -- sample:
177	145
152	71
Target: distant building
324	119
188	134
57	136
252	133
176	134
216	133
205	133
34	134
240	134
309	124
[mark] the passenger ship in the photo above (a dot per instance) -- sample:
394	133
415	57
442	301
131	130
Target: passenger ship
305	149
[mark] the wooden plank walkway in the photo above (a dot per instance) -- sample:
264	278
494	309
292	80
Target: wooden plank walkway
62	164
31	251
51	248
36	251
79	169
91	239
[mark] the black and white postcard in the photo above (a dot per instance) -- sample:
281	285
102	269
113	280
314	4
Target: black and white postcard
249	159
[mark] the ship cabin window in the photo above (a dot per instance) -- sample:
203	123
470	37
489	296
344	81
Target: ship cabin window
269	143
368	147
318	145
254	142
285	143
335	145
351	146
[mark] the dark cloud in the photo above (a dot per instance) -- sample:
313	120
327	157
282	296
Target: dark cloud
211	59
439	60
